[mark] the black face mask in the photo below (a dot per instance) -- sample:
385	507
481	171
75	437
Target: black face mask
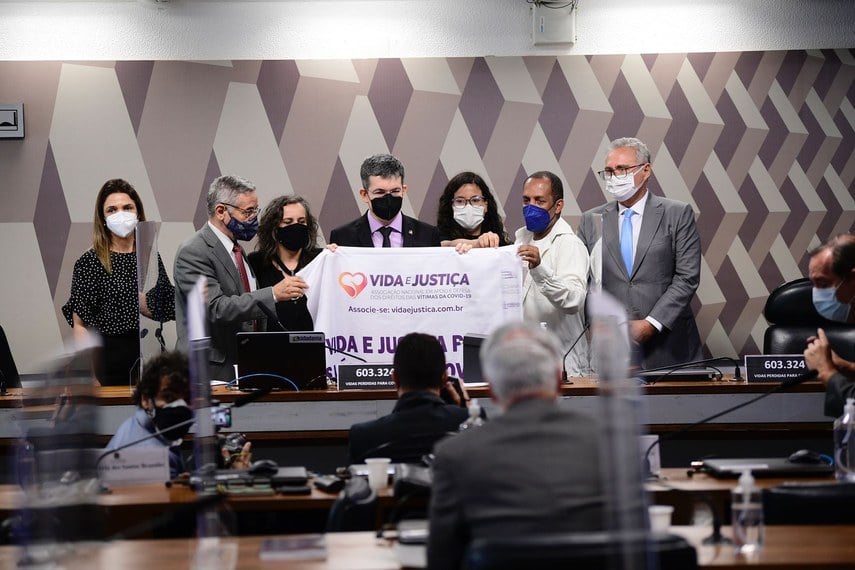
387	207
294	237
166	418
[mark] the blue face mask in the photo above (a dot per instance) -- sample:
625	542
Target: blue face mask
243	231
826	304
536	218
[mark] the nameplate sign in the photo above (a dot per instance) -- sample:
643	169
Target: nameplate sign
365	377
136	465
774	367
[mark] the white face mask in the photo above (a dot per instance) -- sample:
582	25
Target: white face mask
622	189
469	217
122	223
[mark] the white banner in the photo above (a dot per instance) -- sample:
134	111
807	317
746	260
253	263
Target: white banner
364	299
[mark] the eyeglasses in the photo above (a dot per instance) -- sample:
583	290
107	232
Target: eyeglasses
473	201
620	172
247	212
379	192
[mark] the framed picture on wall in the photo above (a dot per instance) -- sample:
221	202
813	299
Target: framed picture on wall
11	120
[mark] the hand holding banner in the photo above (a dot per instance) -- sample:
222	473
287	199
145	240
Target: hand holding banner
364	299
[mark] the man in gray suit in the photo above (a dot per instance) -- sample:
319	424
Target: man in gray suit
232	296
651	257
534	469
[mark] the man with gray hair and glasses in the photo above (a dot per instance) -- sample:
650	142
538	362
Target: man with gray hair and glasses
531	470
232	296
651	257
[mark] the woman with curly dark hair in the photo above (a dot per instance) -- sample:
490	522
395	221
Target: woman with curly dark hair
468	214
287	242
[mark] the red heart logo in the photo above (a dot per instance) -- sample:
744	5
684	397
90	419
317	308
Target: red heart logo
352	283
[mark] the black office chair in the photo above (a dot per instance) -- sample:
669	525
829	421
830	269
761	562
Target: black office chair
410	449
792	319
817	503
355	508
9	377
581	550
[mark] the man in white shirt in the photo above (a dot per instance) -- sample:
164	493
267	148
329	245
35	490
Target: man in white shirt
555	286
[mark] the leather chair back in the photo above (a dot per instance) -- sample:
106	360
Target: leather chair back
793	319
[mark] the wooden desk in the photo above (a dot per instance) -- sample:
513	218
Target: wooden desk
677	489
320	415
786	548
127	505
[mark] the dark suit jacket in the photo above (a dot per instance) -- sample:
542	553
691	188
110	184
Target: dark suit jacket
358	233
665	274
230	310
838	389
531	470
421	416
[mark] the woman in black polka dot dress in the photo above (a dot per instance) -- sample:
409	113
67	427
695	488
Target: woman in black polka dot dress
104	292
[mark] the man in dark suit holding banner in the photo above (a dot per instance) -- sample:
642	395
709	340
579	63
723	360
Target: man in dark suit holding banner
383	225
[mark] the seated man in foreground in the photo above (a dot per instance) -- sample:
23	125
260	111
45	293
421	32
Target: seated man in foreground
534	469
420	417
161	397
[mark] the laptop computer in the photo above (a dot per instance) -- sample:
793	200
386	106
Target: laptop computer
281	360
678	374
765	467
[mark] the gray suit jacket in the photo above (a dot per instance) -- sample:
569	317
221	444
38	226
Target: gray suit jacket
531	470
229	309
665	275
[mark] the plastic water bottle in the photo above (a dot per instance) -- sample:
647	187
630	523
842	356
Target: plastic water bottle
26	466
474	420
844	440
747	511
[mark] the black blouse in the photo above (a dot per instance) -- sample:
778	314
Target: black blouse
109	302
294	315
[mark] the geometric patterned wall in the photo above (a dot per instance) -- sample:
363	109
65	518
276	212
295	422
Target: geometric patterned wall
762	144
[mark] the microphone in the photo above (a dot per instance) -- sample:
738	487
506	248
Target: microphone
800	379
569	350
272	316
241	401
156	433
789	383
737	371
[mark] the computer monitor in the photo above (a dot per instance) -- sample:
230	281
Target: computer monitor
282	360
471	358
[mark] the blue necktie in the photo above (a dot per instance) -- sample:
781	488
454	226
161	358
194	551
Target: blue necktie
626	240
